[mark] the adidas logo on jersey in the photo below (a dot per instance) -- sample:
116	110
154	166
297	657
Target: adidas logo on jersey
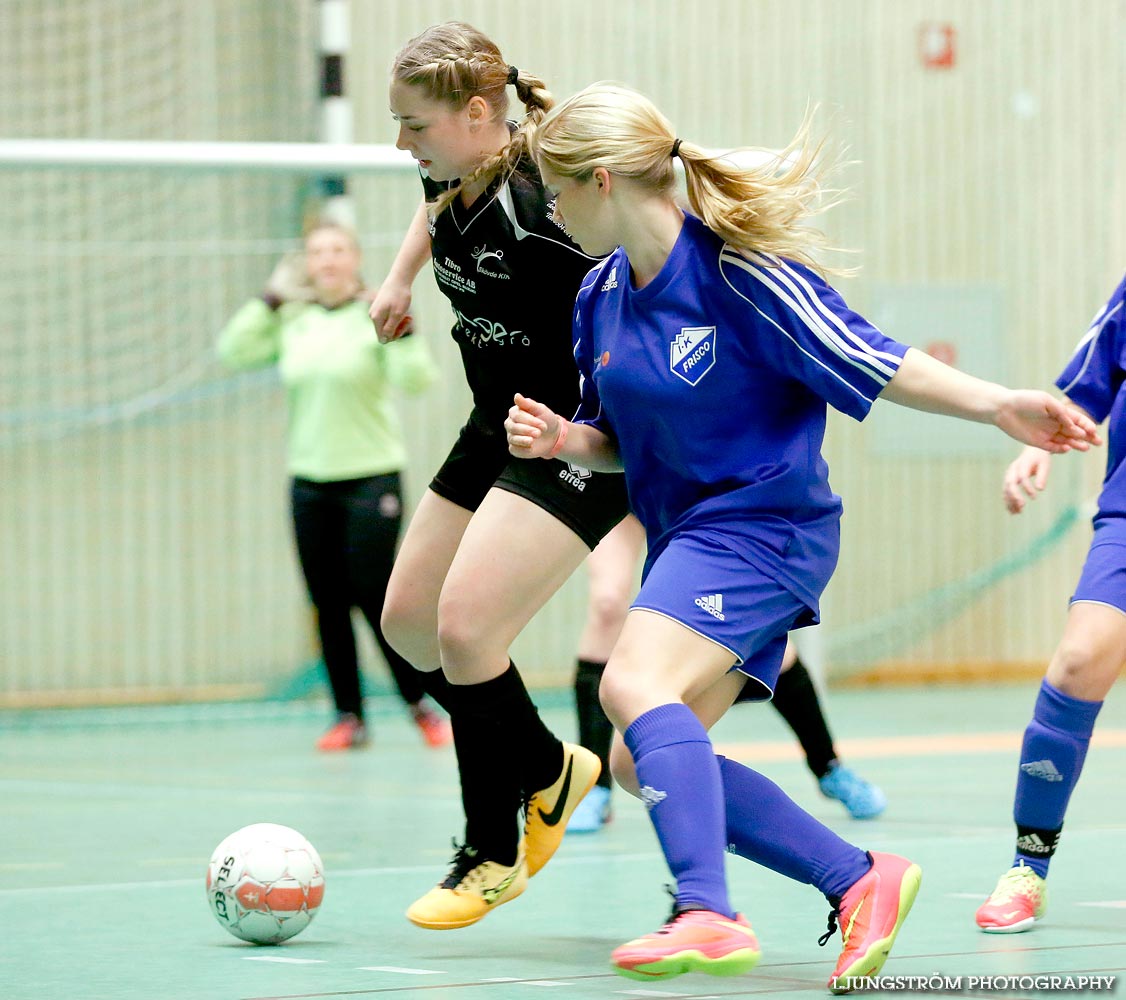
612	281
1042	769
713	605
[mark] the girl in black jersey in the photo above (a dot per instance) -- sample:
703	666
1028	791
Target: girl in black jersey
493	538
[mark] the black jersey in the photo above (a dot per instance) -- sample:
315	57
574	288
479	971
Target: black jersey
511	274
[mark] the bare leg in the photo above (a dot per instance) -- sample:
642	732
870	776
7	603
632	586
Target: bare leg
512	559
410	609
612	569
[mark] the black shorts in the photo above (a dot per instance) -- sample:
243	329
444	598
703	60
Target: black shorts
589	503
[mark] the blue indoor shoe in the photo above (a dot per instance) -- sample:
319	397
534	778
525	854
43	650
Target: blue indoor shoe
861	798
592	813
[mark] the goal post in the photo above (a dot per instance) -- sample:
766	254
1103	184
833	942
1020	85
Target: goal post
275	157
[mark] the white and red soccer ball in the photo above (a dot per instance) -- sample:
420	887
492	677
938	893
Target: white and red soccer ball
265	883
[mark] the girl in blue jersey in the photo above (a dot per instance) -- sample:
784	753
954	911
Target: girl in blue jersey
1091	654
708	347
463	586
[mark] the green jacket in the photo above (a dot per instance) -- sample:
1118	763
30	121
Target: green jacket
343	422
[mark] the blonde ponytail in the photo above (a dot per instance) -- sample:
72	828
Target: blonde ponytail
757	201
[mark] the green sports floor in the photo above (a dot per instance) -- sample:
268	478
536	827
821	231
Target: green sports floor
108	818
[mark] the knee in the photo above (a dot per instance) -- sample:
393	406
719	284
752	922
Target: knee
466	633
409	627
606	611
618	694
1073	668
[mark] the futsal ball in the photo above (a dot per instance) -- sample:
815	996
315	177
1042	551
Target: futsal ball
265	883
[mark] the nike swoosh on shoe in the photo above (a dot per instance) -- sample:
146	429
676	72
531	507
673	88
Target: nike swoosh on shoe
556	814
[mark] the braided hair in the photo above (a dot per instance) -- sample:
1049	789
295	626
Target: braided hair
454	62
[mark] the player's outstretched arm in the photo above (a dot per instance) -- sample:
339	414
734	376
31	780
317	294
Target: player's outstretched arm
1031	416
390	306
536	431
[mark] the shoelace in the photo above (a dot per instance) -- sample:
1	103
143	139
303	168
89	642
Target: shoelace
464	861
677	911
834	915
1014	882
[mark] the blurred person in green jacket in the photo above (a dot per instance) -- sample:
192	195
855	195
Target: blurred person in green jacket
345	454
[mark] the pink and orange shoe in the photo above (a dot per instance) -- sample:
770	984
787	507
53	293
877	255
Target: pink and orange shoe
1020	899
348	732
692	941
870	915
436	729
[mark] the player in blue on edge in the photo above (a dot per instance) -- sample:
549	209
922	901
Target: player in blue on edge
1090	655
708	346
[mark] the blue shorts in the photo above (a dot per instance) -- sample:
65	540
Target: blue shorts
699	582
1103	580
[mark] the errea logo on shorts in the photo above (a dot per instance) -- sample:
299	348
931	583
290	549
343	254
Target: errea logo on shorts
713	605
575	475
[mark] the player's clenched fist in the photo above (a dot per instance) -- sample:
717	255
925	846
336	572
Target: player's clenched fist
534	430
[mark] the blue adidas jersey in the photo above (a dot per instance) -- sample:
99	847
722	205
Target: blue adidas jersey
713	381
1094	379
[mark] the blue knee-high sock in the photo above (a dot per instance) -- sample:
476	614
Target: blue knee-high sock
1051	759
766	826
681	787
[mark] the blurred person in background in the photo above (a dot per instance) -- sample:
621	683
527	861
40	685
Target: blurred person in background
1092	651
346	453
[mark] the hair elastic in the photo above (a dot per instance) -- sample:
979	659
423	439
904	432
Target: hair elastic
675	148
561	438
513	75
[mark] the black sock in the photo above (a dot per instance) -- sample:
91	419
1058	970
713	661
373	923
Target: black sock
1036	846
435	684
796	699
596	732
504	752
538	751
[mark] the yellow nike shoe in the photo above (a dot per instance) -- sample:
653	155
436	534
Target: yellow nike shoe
473	887
547	811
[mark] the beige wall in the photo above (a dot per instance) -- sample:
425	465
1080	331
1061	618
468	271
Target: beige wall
153	551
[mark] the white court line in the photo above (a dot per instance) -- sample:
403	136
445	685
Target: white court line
652	993
283	961
29	866
1110	904
588	859
405	972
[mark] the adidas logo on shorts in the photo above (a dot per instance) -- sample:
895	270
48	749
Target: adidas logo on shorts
713	605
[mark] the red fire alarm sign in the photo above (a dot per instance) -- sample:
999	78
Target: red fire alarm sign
937	44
